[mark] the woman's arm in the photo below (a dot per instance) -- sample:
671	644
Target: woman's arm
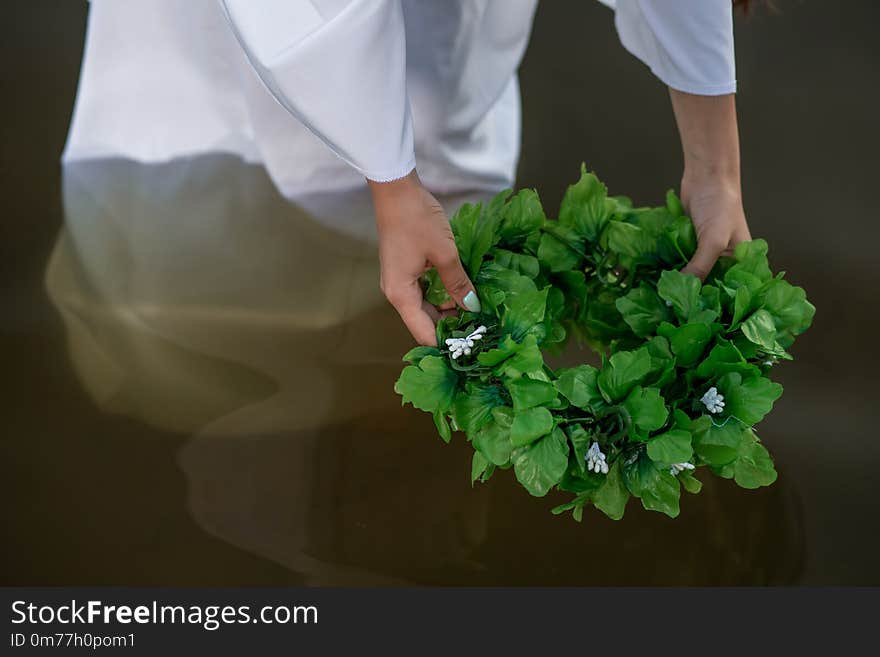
688	44
414	235
710	185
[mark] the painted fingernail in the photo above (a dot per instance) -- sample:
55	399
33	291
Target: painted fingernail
472	302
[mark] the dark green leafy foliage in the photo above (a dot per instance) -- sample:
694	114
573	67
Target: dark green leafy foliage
606	273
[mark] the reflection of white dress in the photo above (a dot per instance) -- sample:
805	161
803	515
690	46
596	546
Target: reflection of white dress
385	84
199	301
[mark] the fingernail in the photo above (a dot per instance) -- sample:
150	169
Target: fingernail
472	302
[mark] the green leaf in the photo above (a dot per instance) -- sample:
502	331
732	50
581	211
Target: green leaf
624	371
472	407
541	465
630	240
576	506
522	216
494	277
760	329
580	442
527	360
682	291
646	408
429	386
685	236
723	358
724	471
752	257
527	393
525	264
434	291
555	255
674	204
493	440
416	354
442	425
742	304
718	444
753	467
710	304
506	349
658	490
583	207
748	400
643	310
688	341
612	496
618	205
575	481
682	421
555	304
746	347
512	359
791	311
479	465
690	482
671	447
678	242
529	425
474	235
573	285
578	385
524	312
737	277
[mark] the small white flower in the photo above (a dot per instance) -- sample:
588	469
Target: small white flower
675	468
596	460
462	346
713	400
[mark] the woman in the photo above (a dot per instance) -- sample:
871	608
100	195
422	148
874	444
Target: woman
407	95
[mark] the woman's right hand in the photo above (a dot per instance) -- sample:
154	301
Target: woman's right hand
414	235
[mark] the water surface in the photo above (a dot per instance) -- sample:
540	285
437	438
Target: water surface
198	373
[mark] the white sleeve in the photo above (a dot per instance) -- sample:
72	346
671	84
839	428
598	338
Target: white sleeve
339	66
688	44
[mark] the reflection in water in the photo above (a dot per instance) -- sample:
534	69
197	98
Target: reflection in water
199	301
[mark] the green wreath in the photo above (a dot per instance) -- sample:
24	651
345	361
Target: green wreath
683	378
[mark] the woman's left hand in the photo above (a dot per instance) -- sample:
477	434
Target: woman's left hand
715	206
710	186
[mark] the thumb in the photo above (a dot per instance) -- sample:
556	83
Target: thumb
707	254
456	281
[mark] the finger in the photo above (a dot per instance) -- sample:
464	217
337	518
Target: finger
446	305
407	300
437	314
431	311
741	234
455	279
708	251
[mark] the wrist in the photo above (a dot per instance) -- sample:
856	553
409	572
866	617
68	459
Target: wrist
382	191
708	185
722	178
709	139
717	171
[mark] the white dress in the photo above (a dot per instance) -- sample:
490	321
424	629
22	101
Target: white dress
327	92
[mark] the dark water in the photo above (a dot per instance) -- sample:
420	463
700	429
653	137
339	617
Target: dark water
198	373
